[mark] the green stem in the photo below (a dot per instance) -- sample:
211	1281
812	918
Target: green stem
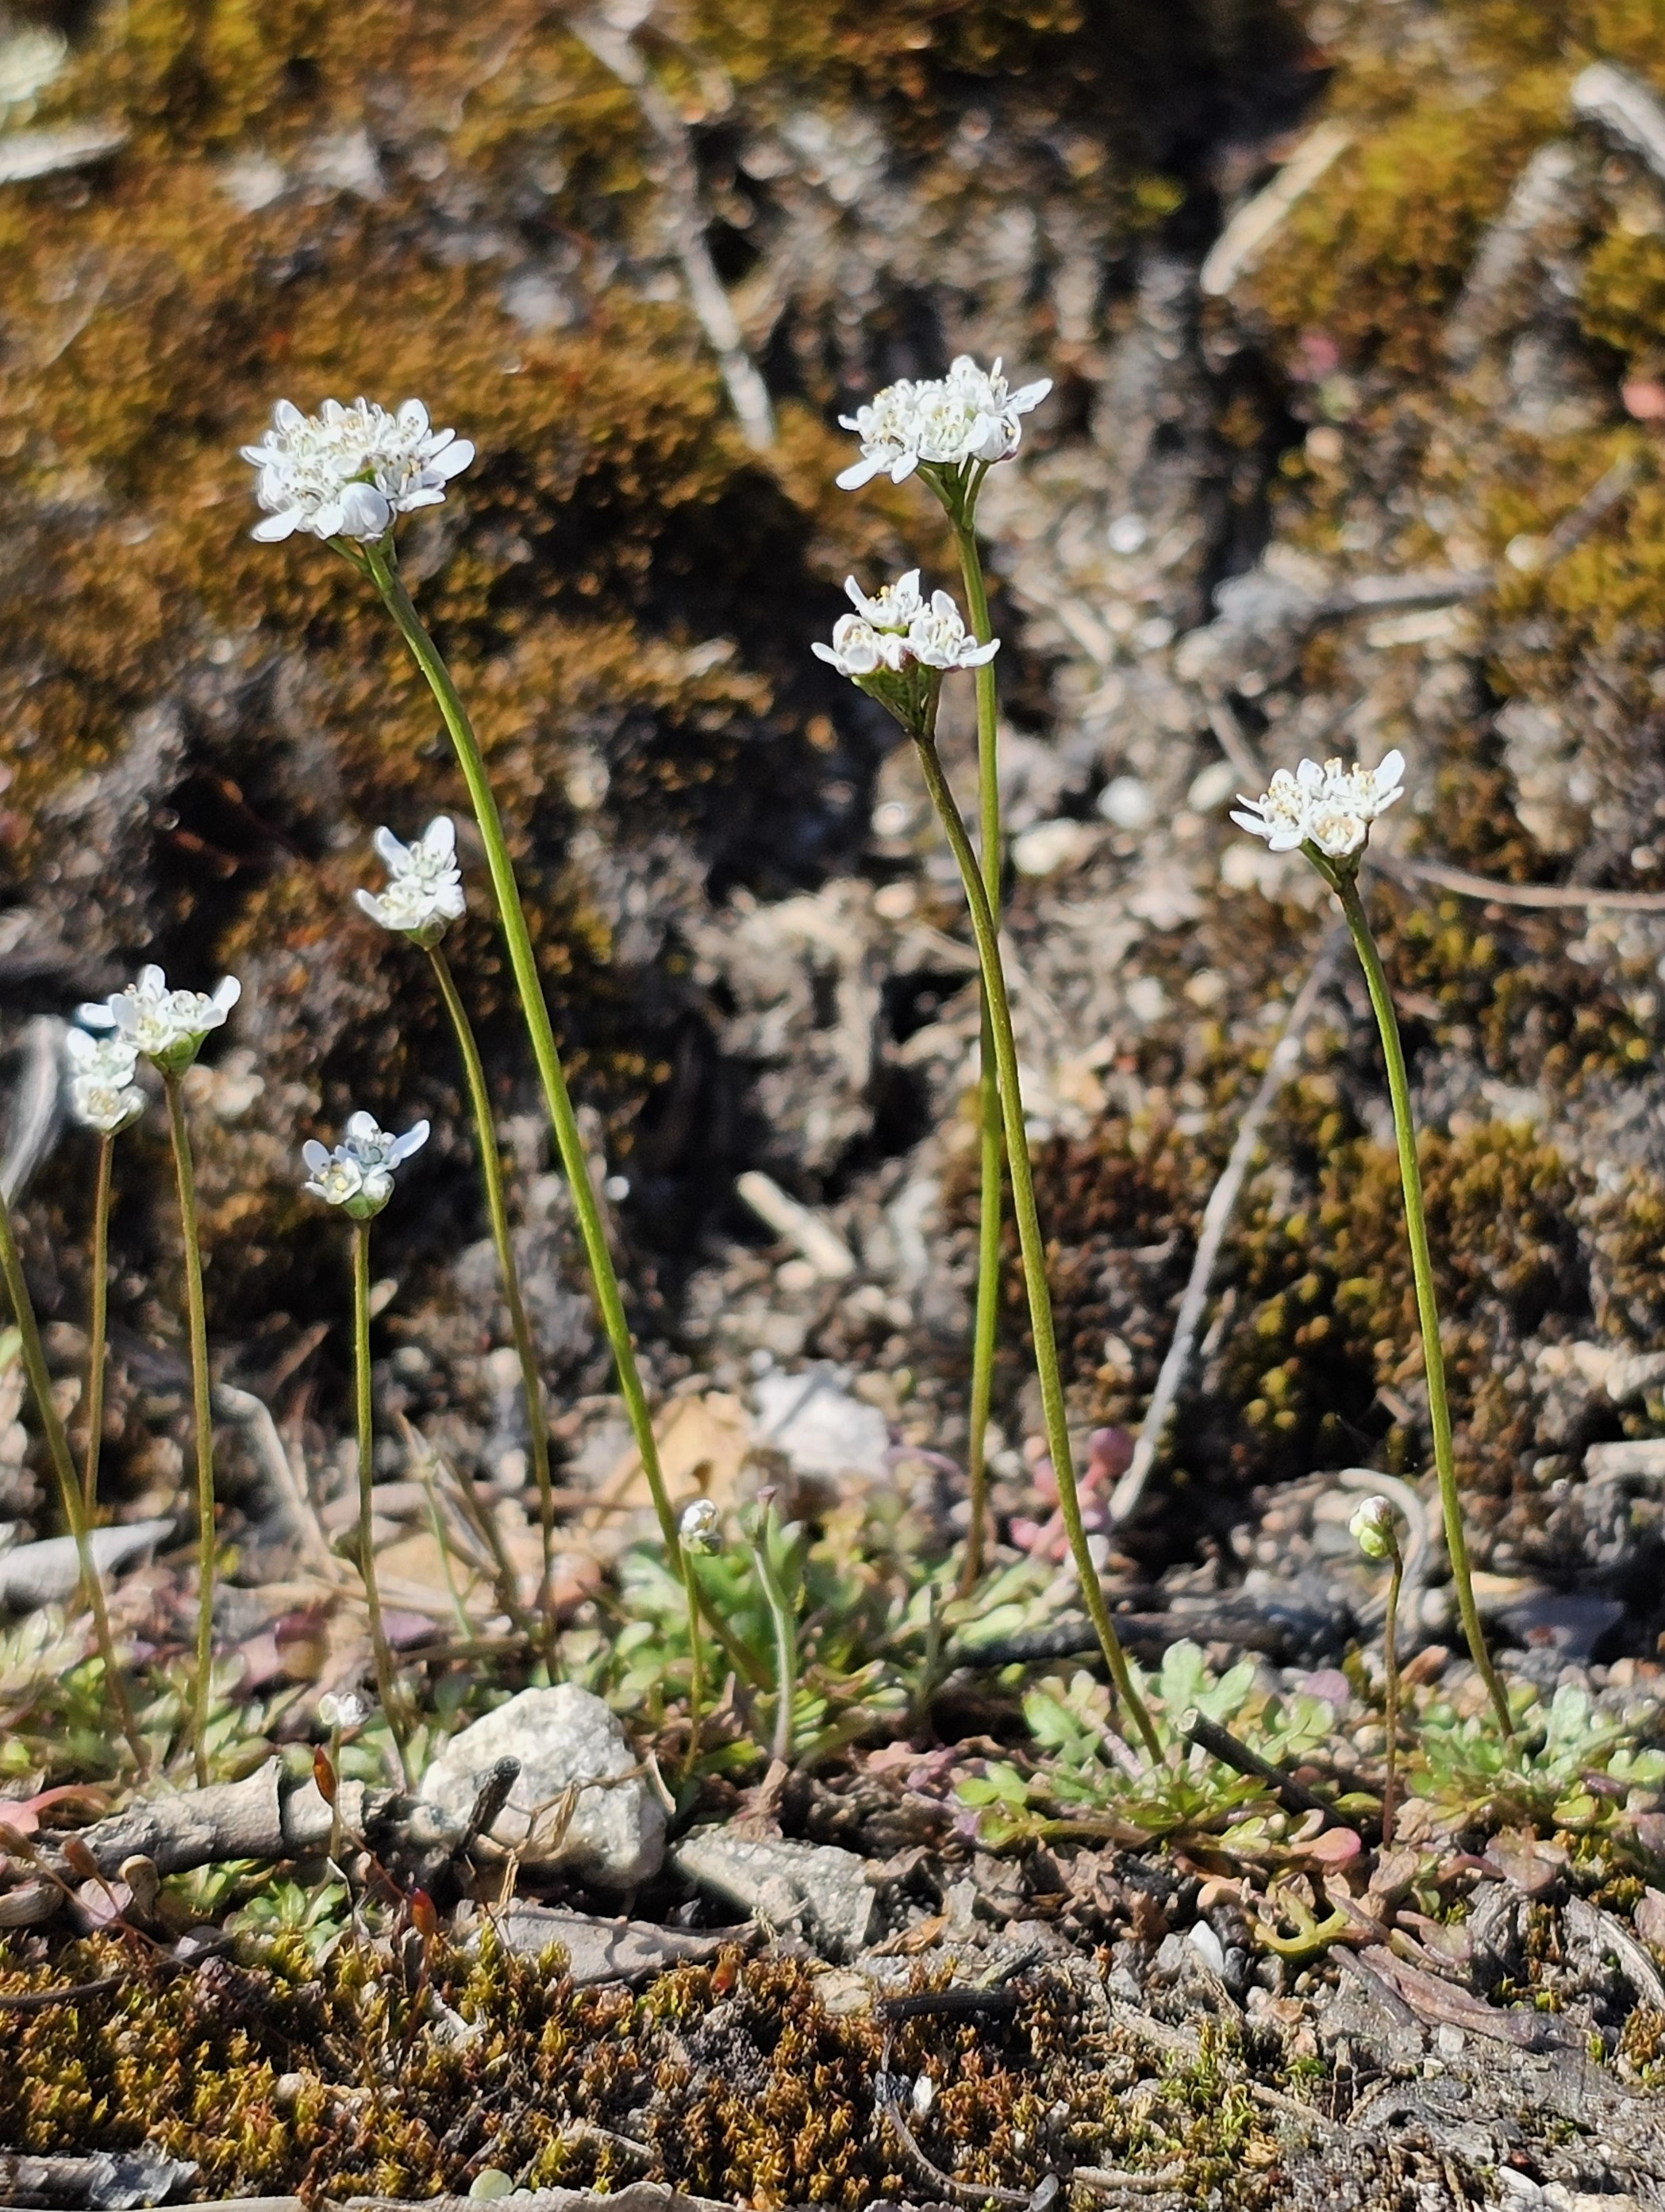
202	1403
496	1209
991	1144
523	962
1345	882
1390	1663
97	1323
58	1450
697	1661
1030	1236
366	1429
379	562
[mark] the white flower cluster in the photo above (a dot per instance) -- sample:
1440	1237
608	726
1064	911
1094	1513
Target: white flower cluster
343	1710
424	885
102	1092
358	1174
167	1027
897	629
347	472
970	415
1331	807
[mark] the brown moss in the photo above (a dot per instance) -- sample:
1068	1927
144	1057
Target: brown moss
745	2087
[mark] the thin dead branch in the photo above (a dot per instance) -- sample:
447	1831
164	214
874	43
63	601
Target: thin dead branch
1216	1216
614	47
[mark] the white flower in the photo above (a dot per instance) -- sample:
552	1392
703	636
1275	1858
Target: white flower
1349	801
1331	807
347	472
358	1174
858	649
1372	1530
936	637
969	415
1281	813
102	1092
167	1027
424	885
701	1527
895	605
343	1710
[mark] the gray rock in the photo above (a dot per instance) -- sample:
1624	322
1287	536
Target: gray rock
1632	1375
822	1429
603	1950
611	1831
1638	1459
49	1573
817	1889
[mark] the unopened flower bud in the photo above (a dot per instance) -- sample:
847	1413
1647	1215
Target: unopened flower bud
701	1527
343	1709
1372	1530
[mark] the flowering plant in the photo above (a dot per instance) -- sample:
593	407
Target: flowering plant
358	1174
347	472
102	1093
950	426
424	892
897	647
165	1027
1326	812
1329	808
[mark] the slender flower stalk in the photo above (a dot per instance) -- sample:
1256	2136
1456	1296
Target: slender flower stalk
58	1450
167	1029
97	1308
1326	812
103	1097
952	430
1030	1241
365	1429
522	960
898	653
1374	1532
424	895
345	475
529	983
991	1138
357	1177
202	1403
1428	1312
537	1421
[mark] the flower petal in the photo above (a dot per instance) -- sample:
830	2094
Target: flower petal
860	473
454	459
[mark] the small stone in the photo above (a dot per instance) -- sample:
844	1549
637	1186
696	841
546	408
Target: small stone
819	1890
820	1427
1048	847
1208	1947
615	1834
1127	802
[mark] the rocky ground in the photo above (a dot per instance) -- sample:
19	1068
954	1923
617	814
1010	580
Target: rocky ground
1353	314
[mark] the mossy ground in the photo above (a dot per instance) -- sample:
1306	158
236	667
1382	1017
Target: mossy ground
285	2074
